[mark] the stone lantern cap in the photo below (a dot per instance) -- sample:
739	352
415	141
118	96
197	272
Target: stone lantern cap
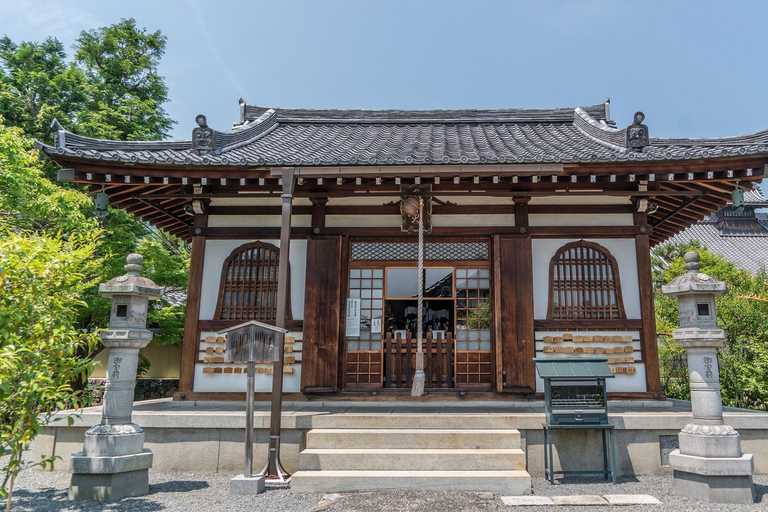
694	282
131	283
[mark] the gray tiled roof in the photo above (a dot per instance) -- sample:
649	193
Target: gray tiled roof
267	136
742	239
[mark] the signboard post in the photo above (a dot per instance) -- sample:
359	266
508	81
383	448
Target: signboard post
250	342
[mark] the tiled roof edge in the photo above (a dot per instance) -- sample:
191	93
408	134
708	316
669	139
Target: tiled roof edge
608	136
331	116
64	139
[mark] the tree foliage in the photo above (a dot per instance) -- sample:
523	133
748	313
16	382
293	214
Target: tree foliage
744	356
111	89
41	278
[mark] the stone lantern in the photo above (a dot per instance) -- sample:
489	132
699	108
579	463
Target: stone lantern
709	464
114	462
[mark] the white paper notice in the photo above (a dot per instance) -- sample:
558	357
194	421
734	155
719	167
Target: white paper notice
376	326
353	317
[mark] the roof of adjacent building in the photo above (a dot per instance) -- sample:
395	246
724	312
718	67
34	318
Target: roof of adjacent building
740	237
267	136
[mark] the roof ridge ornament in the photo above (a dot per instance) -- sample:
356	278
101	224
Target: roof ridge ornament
202	136
637	134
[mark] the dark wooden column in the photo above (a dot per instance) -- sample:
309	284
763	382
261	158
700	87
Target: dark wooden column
647	312
322	314
318	211
191	340
513	291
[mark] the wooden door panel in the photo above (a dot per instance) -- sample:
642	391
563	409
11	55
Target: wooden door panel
322	303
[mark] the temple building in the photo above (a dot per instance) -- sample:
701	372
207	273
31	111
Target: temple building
539	224
738	233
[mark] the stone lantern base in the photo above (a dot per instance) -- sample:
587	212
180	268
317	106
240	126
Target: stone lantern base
113	464
710	466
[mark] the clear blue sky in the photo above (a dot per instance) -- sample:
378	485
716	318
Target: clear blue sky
696	68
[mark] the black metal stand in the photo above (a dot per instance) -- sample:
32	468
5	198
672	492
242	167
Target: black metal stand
549	471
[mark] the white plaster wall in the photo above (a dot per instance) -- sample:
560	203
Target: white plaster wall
257	221
236	382
362	221
244	200
440	221
216	251
586	219
565	198
621	382
621	249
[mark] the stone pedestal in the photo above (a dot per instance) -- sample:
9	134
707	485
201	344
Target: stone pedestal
114	463
709	464
242	485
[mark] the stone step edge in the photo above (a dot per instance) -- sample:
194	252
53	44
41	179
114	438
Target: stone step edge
364	473
417	431
414	451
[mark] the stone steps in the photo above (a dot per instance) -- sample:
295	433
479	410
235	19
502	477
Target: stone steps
315	459
425	419
412	438
415	459
497	482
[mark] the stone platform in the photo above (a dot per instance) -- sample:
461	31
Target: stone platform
209	436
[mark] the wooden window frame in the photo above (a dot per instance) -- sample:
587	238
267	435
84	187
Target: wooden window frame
223	282
611	261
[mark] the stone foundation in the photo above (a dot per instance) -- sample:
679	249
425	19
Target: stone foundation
146	389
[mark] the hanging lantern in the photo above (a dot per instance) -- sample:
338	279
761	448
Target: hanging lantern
100	204
737	197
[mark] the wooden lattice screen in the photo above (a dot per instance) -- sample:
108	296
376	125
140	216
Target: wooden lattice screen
248	288
584	283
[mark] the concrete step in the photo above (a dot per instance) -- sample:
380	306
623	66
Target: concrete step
498	482
413	438
415	420
415	460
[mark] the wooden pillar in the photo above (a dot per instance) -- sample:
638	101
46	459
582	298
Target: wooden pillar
318	211
521	211
648	340
191	340
513	283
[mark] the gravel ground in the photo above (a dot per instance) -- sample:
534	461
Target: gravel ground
203	492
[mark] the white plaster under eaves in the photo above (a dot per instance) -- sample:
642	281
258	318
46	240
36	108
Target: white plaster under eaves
257	201
440	221
581	219
257	221
622	249
570	199
217	251
362	221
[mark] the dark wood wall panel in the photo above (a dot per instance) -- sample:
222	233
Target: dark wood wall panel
322	303
516	333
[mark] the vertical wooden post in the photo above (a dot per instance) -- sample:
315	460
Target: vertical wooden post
191	340
274	470
648	341
318	211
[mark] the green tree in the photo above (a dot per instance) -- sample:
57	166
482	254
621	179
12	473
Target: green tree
744	356
110	90
41	278
125	91
31	202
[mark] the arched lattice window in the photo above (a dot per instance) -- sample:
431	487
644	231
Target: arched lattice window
248	289
584	283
